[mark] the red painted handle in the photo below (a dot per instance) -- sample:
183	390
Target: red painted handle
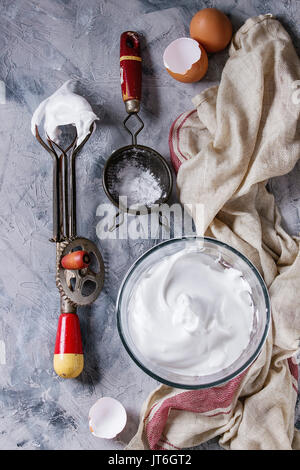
68	353
130	66
76	260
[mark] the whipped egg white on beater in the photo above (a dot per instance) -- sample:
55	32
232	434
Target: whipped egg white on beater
191	314
64	107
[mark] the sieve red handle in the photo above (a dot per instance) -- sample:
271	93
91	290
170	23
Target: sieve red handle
130	69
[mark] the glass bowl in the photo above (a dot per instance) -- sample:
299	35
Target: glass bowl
229	256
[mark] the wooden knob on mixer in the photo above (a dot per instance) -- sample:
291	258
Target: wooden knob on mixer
76	260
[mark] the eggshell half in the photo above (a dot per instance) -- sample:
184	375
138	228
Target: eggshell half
107	418
185	60
212	28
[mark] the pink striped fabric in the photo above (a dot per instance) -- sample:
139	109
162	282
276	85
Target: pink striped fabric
211	401
177	156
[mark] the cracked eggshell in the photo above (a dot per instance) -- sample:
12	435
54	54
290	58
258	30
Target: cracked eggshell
107	418
185	60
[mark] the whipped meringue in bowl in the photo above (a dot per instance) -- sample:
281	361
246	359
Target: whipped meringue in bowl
193	312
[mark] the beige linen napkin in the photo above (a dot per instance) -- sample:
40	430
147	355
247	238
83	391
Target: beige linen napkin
240	134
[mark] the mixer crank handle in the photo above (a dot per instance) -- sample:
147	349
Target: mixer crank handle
76	260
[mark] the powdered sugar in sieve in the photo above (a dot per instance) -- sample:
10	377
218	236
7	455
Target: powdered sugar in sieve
138	184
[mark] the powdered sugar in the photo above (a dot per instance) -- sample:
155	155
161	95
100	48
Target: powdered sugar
138	184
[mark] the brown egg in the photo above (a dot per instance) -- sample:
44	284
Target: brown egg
186	60
212	28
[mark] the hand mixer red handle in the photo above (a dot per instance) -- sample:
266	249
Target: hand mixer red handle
131	70
68	353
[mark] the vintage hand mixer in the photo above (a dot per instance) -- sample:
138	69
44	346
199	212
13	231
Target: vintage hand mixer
77	282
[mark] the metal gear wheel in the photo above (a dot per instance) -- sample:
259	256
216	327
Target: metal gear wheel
80	287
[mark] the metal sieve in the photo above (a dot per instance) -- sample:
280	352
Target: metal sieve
134	156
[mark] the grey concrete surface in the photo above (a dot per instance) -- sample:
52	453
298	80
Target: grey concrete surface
42	44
